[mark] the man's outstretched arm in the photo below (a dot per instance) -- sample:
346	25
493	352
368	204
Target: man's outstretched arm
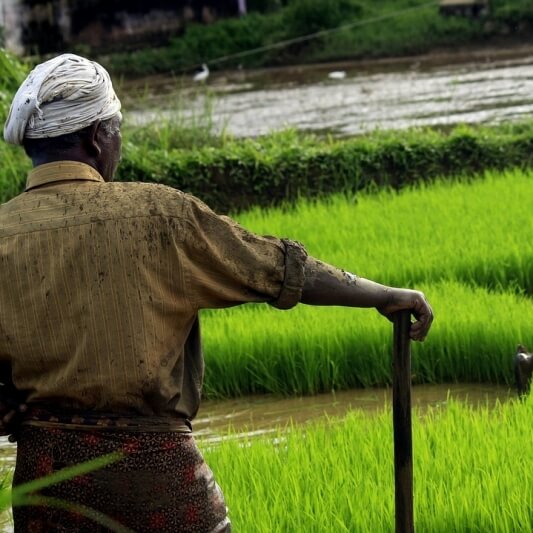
327	285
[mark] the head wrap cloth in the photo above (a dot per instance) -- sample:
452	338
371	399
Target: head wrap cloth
60	96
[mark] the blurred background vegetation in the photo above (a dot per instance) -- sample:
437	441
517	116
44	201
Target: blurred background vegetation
271	21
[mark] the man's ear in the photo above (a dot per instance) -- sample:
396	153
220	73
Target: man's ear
93	139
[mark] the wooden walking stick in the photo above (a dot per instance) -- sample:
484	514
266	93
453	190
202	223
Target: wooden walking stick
401	413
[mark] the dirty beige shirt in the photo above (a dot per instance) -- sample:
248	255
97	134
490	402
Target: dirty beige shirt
102	283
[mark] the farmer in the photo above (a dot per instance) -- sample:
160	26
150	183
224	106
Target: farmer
99	297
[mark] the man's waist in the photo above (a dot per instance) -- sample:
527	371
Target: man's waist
69	418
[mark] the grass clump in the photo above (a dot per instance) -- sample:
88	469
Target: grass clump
471	473
467	230
12	73
286	166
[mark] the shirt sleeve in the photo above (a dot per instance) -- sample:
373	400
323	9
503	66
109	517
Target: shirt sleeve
227	265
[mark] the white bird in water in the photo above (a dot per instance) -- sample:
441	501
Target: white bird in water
203	74
337	75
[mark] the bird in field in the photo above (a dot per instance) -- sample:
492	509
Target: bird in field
337	75
523	367
202	75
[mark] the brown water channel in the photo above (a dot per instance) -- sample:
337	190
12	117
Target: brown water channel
263	415
490	87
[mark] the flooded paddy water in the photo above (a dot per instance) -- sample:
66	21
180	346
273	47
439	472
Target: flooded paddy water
486	87
262	415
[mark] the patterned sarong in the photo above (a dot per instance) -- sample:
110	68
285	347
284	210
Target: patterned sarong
161	484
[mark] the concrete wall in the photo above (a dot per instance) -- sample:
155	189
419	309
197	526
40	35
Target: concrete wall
32	26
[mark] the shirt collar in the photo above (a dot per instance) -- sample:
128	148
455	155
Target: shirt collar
61	171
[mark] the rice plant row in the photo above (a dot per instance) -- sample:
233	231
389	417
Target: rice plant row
256	349
467	245
477	231
473	472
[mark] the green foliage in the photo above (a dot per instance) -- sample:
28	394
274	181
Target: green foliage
12	72
466	244
14	162
286	166
198	45
303	17
472	473
15	166
263	6
257	350
515	15
391	31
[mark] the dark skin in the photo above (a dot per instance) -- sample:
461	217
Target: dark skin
324	284
97	149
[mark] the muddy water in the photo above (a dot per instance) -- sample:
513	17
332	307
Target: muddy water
482	88
261	415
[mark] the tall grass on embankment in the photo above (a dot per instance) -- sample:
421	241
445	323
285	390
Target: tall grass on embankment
286	166
467	245
256	349
473	230
473	472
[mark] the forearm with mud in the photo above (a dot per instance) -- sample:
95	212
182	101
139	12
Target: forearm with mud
328	285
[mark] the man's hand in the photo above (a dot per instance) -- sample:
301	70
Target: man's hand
327	285
414	301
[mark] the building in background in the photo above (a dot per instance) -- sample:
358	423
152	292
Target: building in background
37	26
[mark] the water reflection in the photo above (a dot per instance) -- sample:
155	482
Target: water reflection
261	415
489	91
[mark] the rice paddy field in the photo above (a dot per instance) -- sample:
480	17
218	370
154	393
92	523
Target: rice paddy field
467	244
473	472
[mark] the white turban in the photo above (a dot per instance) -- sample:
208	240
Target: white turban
60	96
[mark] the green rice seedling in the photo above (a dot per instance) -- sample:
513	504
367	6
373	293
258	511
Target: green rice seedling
473	472
470	230
256	349
462	243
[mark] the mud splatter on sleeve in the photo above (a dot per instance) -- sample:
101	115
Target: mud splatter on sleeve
228	265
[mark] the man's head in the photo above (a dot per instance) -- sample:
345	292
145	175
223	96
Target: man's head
66	109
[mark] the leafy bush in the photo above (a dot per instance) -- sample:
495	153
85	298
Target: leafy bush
286	166
308	16
514	15
263	6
